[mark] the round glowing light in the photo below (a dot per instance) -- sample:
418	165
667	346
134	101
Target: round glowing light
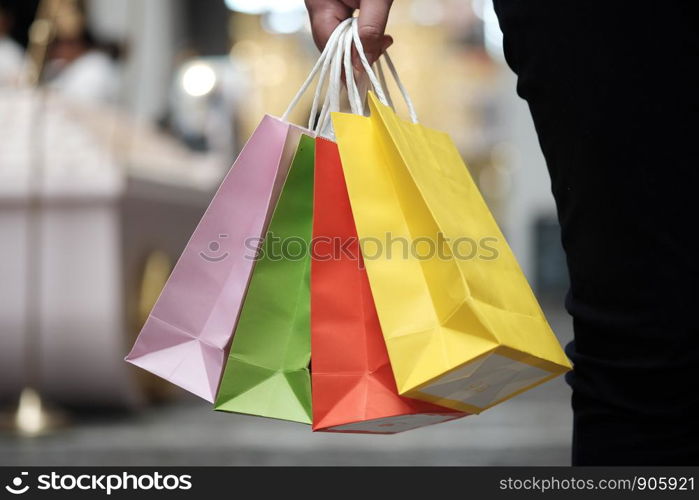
284	21
247	6
198	79
495	182
262	6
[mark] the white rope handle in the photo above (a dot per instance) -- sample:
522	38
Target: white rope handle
375	82
321	65
353	94
333	43
355	99
336	55
365	63
382	79
403	91
332	96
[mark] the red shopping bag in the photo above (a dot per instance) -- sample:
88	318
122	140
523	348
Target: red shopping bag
353	386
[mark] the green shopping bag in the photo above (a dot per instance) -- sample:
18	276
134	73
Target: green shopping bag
267	370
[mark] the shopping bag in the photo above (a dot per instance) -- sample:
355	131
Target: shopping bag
185	337
462	326
353	386
267	370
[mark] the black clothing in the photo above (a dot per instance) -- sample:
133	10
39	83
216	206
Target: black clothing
613	88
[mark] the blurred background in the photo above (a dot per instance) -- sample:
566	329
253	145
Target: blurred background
117	121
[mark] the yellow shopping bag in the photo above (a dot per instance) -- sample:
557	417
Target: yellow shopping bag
462	326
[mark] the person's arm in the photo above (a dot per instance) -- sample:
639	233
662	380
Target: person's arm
373	14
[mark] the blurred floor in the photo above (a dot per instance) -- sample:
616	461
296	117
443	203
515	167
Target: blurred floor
532	429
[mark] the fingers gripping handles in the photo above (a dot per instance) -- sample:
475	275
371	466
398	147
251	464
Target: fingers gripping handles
336	57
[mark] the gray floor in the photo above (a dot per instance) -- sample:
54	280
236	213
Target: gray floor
532	429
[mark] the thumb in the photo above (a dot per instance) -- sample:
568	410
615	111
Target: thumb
373	16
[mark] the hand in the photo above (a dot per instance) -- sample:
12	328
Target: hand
373	14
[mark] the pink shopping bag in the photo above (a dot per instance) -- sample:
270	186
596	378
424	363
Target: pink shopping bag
187	334
188	331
